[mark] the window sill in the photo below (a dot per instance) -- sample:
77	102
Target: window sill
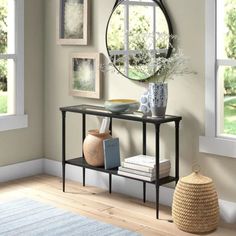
218	146
11	122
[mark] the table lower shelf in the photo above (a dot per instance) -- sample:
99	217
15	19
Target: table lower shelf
82	163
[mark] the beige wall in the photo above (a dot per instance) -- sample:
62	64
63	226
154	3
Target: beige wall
26	144
186	95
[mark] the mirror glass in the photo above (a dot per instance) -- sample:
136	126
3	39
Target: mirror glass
137	33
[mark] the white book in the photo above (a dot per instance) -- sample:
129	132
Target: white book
137	167
164	169
146	178
143	173
144	168
150	179
137	172
148	161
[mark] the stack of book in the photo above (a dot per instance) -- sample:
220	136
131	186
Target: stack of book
143	167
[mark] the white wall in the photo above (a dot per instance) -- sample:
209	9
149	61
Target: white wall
27	144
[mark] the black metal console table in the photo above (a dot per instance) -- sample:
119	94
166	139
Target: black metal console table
100	111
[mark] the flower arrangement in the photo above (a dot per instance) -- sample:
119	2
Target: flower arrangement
168	68
151	65
159	65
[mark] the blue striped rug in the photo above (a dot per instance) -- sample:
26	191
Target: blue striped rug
25	217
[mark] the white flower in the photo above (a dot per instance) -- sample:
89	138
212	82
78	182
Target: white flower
154	64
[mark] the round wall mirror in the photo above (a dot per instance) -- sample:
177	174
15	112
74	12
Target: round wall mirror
138	31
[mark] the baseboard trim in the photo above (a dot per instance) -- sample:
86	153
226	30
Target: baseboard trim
21	170
120	184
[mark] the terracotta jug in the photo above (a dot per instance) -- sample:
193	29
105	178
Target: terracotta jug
93	147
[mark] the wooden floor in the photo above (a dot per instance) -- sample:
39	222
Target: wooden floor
98	204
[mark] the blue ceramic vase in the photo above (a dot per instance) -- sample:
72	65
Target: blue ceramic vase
158	96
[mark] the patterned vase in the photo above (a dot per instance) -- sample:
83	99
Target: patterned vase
158	96
145	104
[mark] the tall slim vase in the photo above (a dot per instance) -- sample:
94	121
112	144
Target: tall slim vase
158	96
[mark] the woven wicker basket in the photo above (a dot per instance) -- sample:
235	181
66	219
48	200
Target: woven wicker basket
195	205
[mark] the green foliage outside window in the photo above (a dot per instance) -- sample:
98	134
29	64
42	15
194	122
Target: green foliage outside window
3	27
3	44
230	48
230	72
116	33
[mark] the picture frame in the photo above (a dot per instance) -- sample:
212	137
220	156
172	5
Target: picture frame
85	75
73	22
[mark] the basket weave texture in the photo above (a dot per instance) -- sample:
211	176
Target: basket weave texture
195	206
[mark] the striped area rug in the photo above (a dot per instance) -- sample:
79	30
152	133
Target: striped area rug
25	217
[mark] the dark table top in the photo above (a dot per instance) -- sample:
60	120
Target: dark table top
136	116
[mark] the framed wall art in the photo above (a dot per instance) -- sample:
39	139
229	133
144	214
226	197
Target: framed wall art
73	22
85	75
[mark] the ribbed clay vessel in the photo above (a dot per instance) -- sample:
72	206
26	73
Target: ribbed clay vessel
93	147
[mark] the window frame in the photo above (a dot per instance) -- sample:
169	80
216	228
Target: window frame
212	143
18	119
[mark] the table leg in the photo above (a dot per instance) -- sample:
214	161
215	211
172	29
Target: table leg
144	192
83	138
84	176
157	126
110	126
144	138
157	201
63	149
110	183
177	151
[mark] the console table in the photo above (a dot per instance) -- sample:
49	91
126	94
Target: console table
85	110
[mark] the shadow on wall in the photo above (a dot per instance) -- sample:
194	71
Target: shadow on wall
220	169
189	142
130	136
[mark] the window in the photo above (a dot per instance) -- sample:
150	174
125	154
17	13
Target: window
220	131
12	65
226	68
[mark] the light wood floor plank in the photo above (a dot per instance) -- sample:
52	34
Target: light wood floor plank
118	200
116	209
